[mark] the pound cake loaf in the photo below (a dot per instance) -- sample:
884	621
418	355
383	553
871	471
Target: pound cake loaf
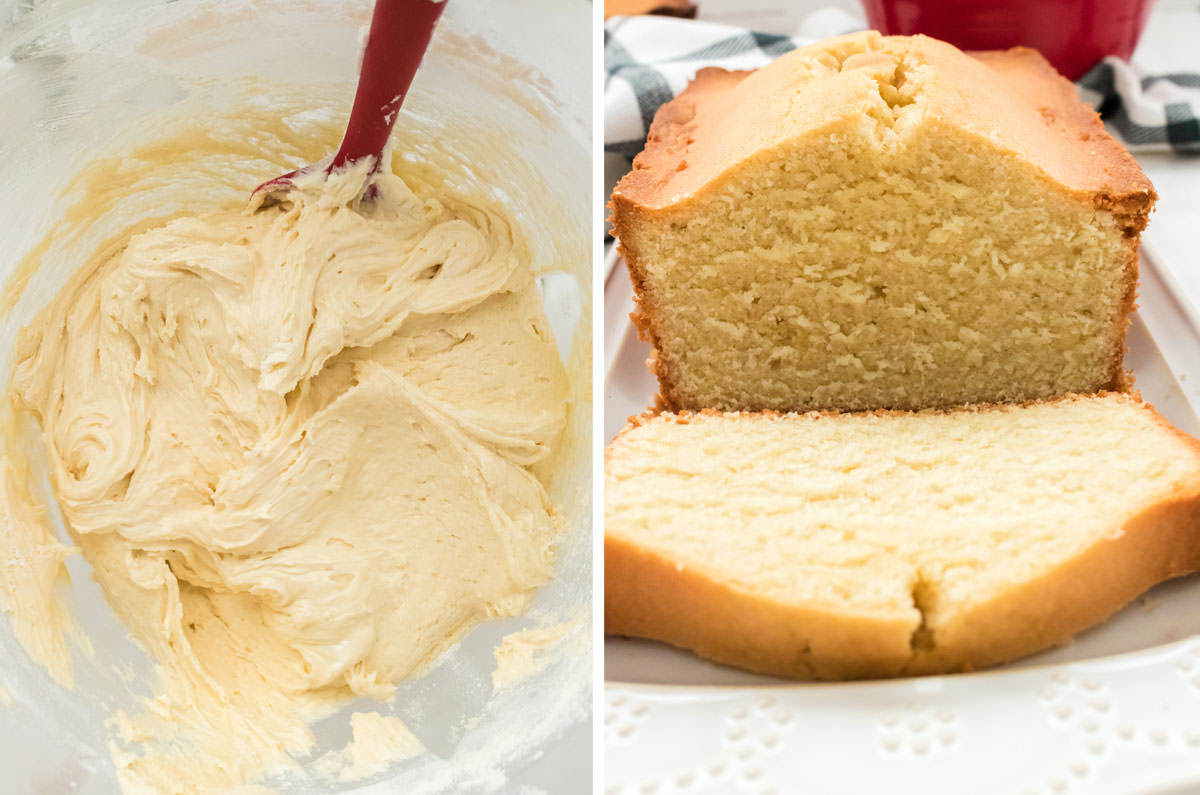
882	223
872	544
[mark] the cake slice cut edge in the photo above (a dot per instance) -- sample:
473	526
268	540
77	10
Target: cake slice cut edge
882	222
847	546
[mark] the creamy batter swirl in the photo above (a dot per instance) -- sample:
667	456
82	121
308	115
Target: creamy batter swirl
293	443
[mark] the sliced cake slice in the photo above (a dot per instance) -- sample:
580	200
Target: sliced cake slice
837	546
882	223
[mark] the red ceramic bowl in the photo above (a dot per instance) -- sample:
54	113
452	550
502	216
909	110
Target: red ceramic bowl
1074	35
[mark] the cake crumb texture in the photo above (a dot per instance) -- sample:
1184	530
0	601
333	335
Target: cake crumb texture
882	223
836	546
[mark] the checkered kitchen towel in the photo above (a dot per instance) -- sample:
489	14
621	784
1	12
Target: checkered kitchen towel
650	59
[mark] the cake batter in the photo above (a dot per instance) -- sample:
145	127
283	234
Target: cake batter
292	441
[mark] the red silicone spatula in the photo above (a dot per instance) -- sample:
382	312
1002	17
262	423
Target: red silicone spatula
396	43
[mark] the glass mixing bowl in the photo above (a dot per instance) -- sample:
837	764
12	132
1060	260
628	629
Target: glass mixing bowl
83	80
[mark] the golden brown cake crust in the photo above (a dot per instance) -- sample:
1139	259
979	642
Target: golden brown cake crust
670	8
647	595
1014	98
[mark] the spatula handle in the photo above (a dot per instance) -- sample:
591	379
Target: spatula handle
399	35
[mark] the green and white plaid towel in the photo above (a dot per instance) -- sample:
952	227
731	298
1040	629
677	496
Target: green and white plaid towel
651	59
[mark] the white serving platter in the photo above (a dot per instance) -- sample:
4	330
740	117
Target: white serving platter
1116	711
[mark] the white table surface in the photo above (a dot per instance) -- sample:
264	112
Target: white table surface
1171	43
